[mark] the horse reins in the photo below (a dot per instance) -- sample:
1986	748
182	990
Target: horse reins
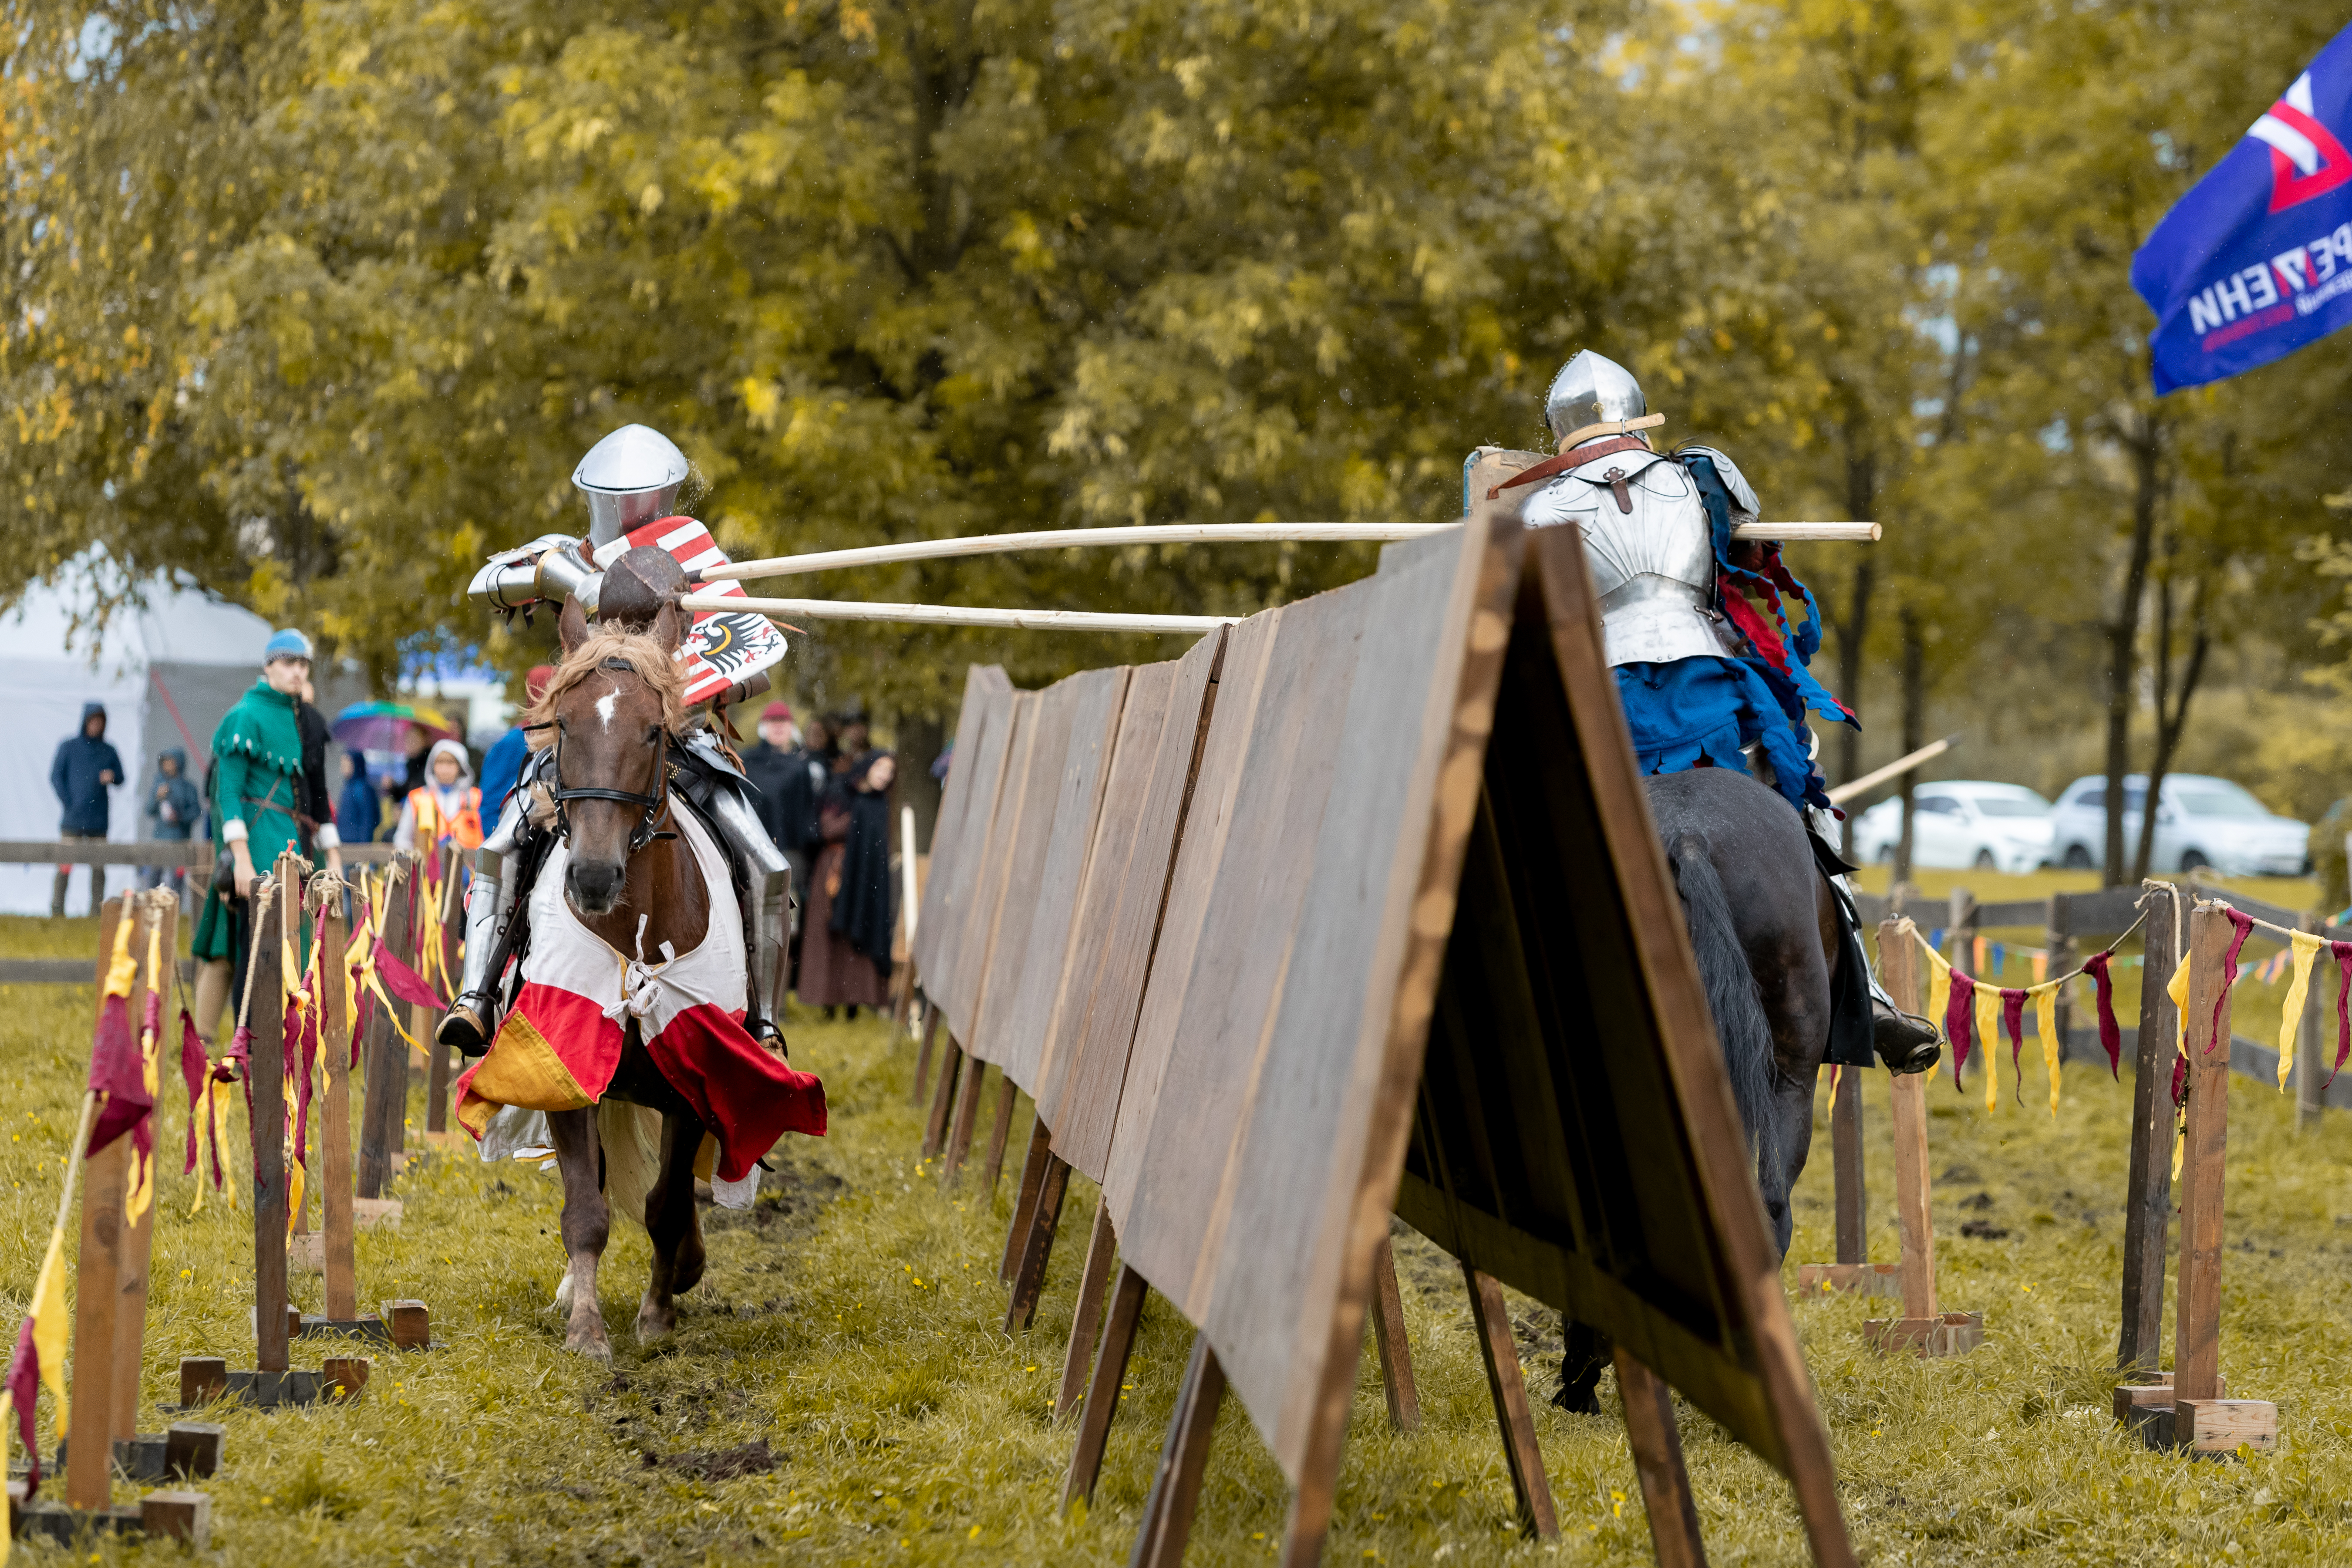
655	804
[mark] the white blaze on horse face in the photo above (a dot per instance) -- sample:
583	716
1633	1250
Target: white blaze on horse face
604	708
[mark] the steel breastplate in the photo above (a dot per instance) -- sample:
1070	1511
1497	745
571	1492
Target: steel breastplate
1652	566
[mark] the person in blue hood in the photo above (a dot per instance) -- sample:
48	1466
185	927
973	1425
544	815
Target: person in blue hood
86	767
174	809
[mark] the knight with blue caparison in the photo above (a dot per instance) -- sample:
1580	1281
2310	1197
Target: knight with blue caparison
1695	625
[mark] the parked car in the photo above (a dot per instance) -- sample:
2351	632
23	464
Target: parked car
2201	821
1962	822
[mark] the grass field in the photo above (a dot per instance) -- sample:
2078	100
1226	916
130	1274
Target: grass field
850	1323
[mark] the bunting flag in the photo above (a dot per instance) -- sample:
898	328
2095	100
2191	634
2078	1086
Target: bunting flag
2040	967
2111	1037
2045	1023
139	1192
2241	926
1979	950
114	1065
2012	1024
2303	948
40	1359
1958	1021
2177	988
2342	952
195	1071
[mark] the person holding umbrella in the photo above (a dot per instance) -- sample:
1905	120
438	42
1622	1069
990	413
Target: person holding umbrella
257	795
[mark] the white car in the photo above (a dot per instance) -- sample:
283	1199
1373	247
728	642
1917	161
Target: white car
1972	823
2201	821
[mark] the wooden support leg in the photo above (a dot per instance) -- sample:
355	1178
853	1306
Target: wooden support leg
335	1128
159	914
1501	1355
89	1459
1102	1395
1658	1460
923	1057
268	1085
1845	1145
1029	1281
2148	1197
1024	1202
935	1127
967	1112
2197	1344
1006	1097
1183	1461
1387	1334
1088	1317
1911	1195
380	1106
437	1076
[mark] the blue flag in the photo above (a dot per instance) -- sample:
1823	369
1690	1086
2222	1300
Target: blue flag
2256	260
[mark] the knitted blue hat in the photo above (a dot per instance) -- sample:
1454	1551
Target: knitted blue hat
287	644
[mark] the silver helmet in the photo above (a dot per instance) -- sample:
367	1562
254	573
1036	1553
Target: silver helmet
630	477
1591	390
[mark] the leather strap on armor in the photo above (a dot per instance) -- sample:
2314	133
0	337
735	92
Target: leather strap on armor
1574	458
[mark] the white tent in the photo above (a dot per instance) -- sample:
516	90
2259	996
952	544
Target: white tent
167	669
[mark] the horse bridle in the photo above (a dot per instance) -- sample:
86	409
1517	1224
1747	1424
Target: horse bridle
654	805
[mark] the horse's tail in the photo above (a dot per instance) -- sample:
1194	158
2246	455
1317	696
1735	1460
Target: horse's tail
1740	1025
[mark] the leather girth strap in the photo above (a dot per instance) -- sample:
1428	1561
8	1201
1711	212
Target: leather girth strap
1575	458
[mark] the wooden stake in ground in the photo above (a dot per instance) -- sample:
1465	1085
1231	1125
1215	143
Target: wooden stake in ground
151	944
273	902
2147	1200
1925	1329
335	1124
89	1452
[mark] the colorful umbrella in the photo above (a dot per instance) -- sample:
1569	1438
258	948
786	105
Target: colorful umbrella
386	726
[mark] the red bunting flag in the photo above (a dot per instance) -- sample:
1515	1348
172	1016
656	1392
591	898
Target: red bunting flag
2241	926
1959	1022
2111	1037
2342	952
195	1071
2012	1020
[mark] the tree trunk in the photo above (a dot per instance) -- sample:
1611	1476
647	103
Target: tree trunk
1914	720
2168	723
2123	642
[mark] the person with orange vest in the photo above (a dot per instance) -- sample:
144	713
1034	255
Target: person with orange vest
448	808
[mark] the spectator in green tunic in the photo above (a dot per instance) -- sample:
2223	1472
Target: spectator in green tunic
255	796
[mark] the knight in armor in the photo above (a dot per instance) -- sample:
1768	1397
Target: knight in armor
1706	676
629	478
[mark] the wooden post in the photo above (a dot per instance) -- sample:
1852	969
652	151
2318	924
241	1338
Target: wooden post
335	1125
2197	1344
2147	1201
1024	1202
2204	1421
2060	942
266	1072
1183	1460
1087	1318
1962	923
1387	1334
1005	1096
386	1102
159	914
2310	1062
1492	1323
437	1054
1657	1447
1102	1395
1925	1328
89	1460
1029	1278
1845	1147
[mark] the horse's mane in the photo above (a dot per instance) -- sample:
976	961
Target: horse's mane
636	651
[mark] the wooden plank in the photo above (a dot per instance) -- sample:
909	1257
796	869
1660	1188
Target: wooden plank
1183	1461
335	1124
89	1466
158	912
1491	1322
1207	821
2147	1193
998	1126
1018	1019
266	1077
967	1110
151	852
1085	1318
1024	1202
1389	1344
2014	914
1899	964
1102	1394
923	1058
2197	1344
1155	763
975	949
437	1054
1657	1447
942	1097
1051	715
1846	1152
986	692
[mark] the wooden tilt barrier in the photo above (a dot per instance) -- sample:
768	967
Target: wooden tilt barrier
1354	903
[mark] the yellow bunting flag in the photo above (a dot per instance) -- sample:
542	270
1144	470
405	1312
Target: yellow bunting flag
49	1321
2040	967
1977	957
2306	946
2044	998
1987	1000
2177	989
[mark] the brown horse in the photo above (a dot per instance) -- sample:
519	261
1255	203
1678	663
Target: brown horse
613	711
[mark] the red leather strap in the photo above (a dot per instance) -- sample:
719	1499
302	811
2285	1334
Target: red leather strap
1575	458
